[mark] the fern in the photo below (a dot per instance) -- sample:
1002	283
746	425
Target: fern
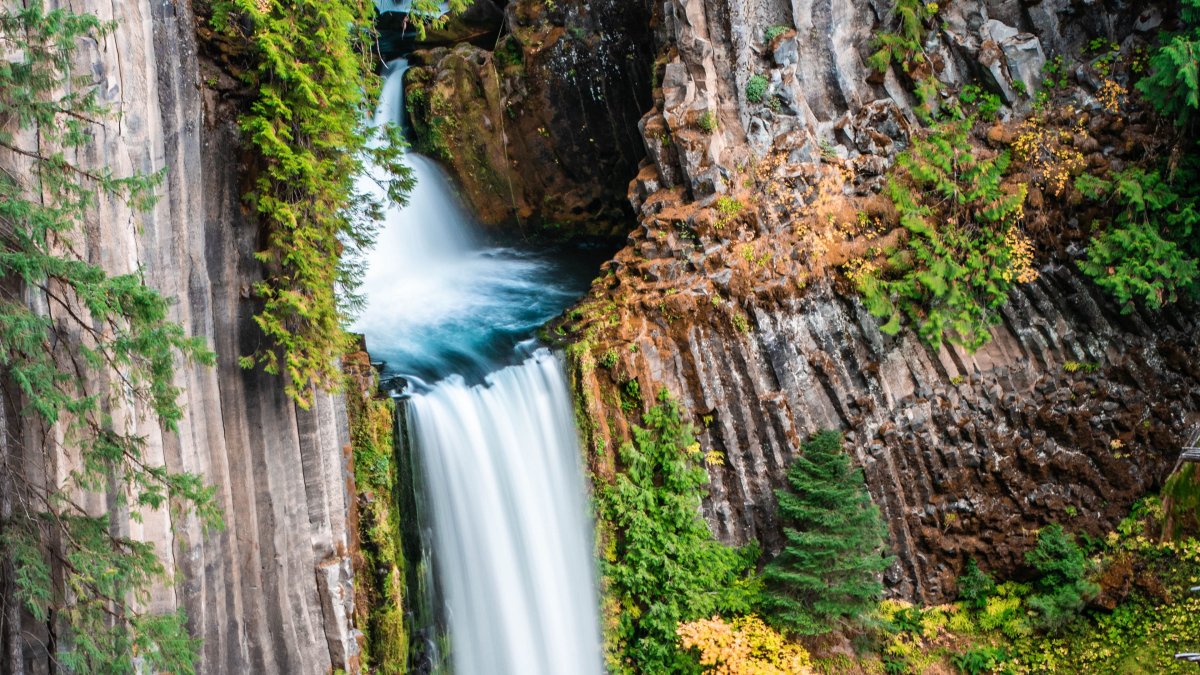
1173	85
964	249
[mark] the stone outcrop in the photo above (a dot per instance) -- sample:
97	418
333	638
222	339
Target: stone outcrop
737	304
272	592
541	131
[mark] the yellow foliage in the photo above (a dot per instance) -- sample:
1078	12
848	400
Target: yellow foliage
747	646
1049	154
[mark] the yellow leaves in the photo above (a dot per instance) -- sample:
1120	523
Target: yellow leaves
747	646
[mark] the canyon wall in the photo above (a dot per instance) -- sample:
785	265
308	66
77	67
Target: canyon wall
731	291
541	132
272	591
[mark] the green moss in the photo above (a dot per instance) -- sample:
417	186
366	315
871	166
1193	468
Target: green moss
381	576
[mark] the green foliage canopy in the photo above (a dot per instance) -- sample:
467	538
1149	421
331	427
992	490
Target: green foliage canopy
666	568
313	70
829	567
1062	588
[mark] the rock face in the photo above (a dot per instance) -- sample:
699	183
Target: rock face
1070	414
541	132
272	592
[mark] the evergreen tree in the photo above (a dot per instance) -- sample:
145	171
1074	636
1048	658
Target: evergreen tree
1062	589
829	567
87	363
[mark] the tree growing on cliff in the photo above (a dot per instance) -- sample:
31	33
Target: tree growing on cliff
87	367
963	247
829	568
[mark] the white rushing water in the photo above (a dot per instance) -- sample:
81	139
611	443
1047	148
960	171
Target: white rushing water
512	539
500	459
439	299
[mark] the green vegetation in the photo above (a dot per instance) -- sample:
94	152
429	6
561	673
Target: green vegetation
756	88
828	570
1062	588
986	105
1173	85
707	122
775	31
975	586
904	46
312	67
380	576
964	248
663	567
88	373
1149	253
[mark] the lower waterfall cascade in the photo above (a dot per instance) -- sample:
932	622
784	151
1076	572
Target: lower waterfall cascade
489	418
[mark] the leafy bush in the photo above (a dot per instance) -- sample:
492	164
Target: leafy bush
313	68
665	567
746	646
979	660
829	567
756	88
964	248
1149	253
975	586
1173	85
707	122
1062	588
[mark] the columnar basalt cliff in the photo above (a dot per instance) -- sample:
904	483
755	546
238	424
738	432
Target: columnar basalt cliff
542	130
730	293
273	590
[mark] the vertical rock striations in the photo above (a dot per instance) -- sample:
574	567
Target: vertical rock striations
272	592
728	292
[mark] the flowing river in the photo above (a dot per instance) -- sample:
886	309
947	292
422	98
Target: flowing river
490	420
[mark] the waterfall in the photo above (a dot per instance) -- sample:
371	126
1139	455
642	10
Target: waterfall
502	471
495	441
439	298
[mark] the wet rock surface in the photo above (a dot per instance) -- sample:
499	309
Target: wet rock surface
541	131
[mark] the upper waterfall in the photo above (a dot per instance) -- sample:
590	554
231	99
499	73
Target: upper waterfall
496	445
440	298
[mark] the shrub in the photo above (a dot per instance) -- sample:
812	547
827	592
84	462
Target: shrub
1173	85
756	88
1062	589
1148	255
829	567
975	586
964	248
707	122
979	660
746	646
665	567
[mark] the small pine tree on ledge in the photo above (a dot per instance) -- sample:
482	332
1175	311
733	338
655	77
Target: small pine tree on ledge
828	570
